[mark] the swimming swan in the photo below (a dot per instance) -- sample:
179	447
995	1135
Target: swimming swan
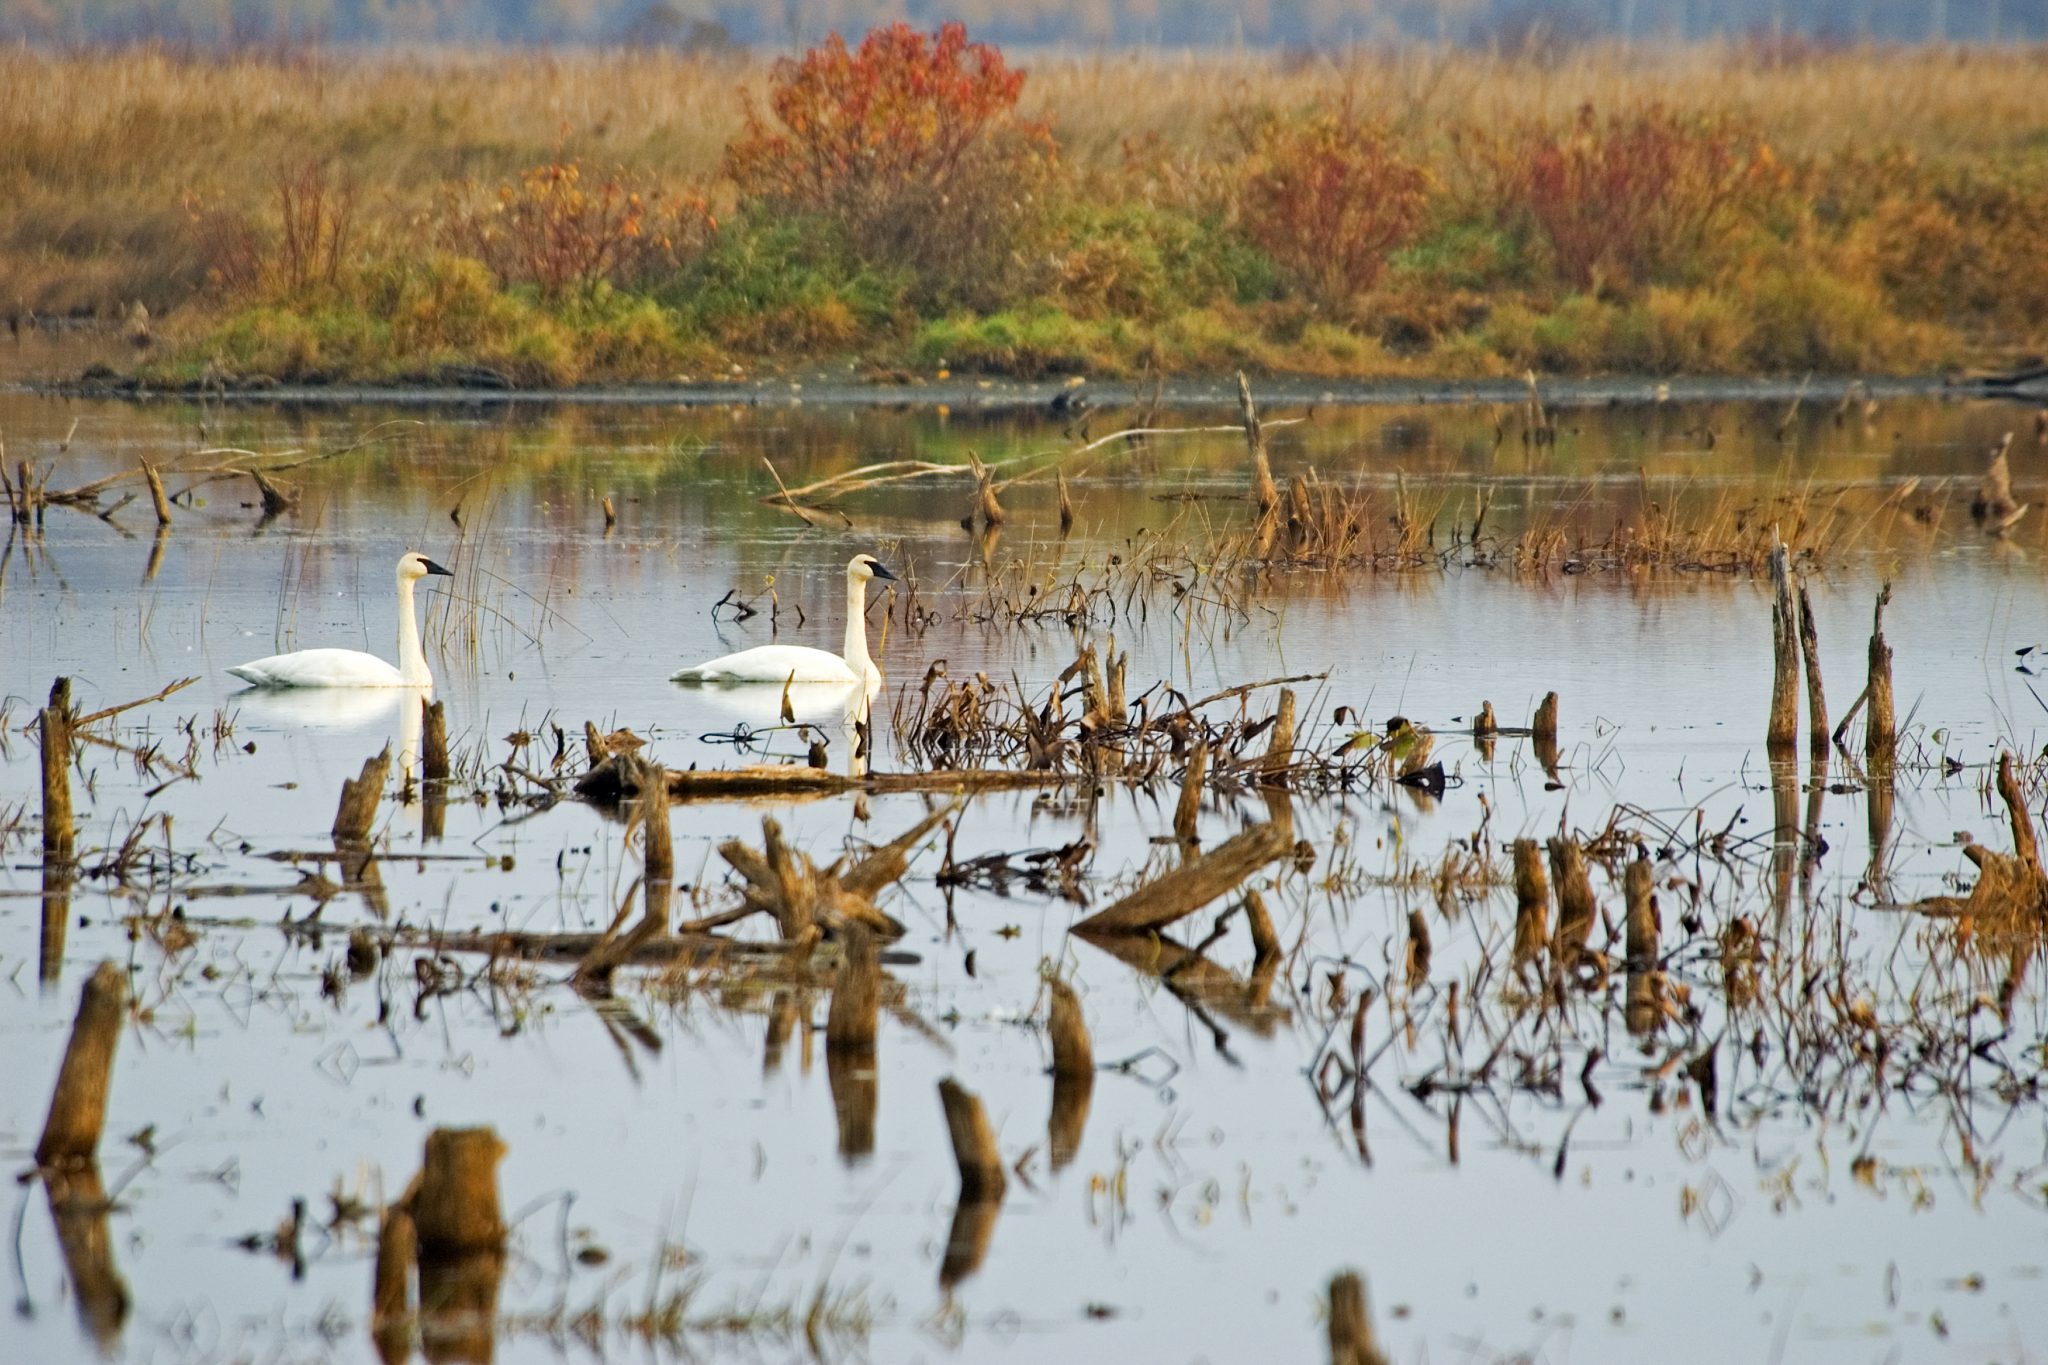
352	667
796	663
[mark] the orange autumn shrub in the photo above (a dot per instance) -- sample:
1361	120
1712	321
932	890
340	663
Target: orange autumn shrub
910	148
1635	198
562	233
1329	197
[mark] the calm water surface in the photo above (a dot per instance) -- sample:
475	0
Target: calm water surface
1811	1217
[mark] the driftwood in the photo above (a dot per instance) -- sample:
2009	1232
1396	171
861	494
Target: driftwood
605	784
1192	885
2011	893
78	1104
157	500
785	884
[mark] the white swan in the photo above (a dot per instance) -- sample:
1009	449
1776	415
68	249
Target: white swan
797	663
352	667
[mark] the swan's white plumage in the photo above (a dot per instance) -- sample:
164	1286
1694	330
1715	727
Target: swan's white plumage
774	664
352	667
780	664
320	668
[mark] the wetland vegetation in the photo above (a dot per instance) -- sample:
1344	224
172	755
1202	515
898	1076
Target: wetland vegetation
1317	880
913	203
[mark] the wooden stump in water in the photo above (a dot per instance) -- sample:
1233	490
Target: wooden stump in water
1486	724
1265	493
1783	731
1073	1074
434	740
1066	503
1532	900
1881	730
1072	1052
1273	768
1265	943
357	812
391	1286
856	993
1544	726
78	1105
1816	695
1575	908
455	1204
855	1080
55	726
975	1153
78	1211
1352	1341
1418	951
1638	885
157	499
1190	804
982	1183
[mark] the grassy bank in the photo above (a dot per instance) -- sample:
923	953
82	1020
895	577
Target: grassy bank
919	203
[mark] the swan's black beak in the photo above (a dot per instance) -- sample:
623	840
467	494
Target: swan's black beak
434	568
875	568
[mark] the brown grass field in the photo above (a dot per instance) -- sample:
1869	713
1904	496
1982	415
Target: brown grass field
108	159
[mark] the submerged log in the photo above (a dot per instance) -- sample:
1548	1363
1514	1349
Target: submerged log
78	1104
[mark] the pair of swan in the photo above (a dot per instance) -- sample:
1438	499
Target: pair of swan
776	664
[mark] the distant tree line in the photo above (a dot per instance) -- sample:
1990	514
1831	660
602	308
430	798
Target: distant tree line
702	25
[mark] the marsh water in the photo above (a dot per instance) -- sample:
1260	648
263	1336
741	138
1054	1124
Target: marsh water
676	1146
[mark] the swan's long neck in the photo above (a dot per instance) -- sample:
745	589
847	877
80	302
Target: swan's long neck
412	660
857	627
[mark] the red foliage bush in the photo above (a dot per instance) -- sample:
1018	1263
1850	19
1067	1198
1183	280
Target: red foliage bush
1634	198
558	232
1329	197
910	144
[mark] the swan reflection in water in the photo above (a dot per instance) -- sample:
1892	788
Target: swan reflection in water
833	711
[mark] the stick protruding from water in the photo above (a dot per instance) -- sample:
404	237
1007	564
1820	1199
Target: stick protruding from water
78	1105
